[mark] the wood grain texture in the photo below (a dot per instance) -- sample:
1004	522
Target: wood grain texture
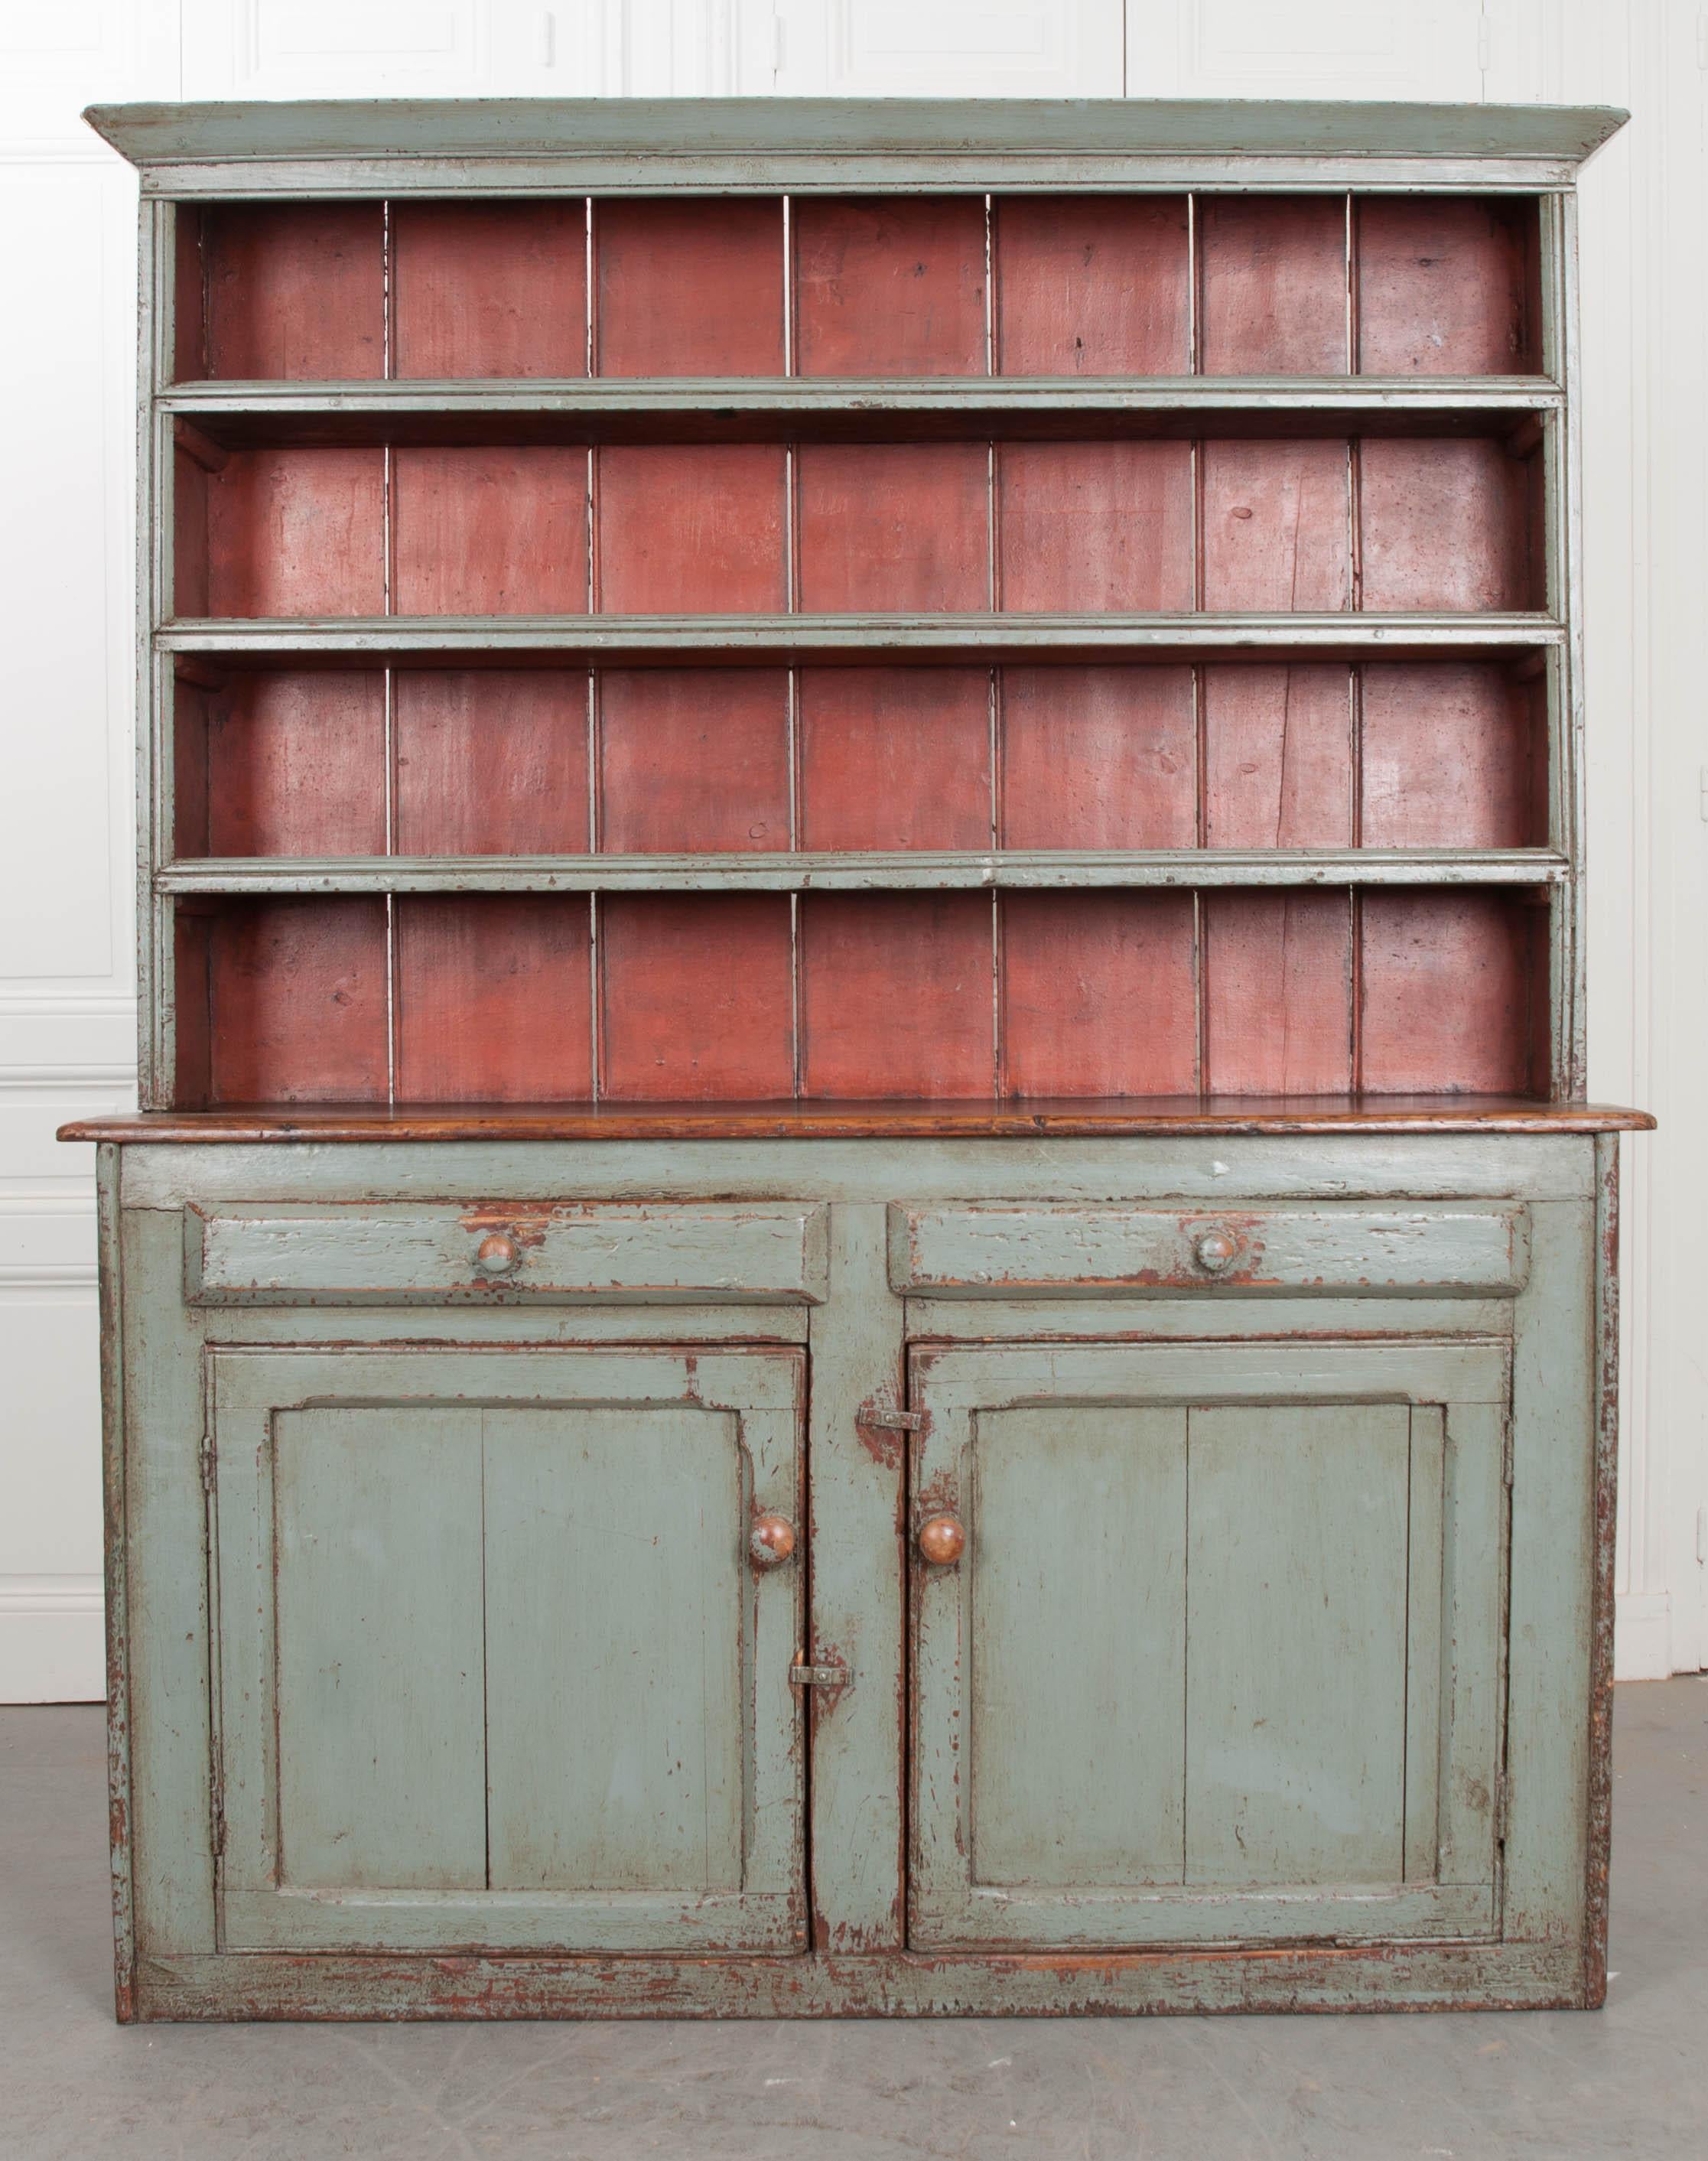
1455	756
298	1001
295	765
296	532
1097	757
1092	285
693	759
1272	274
688	288
488	289
294	291
696	998
1277	992
1277	528
378	1685
1448	984
1094	527
893	527
1098	994
890	286
491	761
1278	757
895	757
493	998
690	531
896	995
1076	1717
1447	285
490	532
1296	1633
1447	525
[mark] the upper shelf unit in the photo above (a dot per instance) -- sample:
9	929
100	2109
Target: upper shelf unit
833	289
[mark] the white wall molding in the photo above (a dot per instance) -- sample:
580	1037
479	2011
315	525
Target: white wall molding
52	1638
1642	1636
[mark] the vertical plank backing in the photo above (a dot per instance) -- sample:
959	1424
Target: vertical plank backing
1276	530
893	527
296	532
1077	1692
1447	285
1278	757
1277	993
189	567
491	761
1296	1644
378	1655
1272	273
617	1713
1446	524
889	286
693	760
1092	285
296	764
494	998
896	995
690	529
1098	994
477	531
1097	757
1455	756
688	288
1087	527
1446	983
295	291
696	996
298	1001
895	757
489	289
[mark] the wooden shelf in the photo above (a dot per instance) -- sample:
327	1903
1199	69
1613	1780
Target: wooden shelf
1168	1117
857	637
238	414
897	870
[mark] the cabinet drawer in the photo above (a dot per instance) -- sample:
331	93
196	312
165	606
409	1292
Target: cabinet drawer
759	1253
1090	1252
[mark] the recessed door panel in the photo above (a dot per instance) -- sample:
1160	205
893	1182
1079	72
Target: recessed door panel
1216	1658
495	1666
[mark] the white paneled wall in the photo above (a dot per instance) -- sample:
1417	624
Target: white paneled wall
66	207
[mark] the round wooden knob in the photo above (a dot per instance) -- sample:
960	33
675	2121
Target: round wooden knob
772	1542
942	1540
1215	1250
498	1255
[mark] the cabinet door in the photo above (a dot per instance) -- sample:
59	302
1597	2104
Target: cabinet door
496	1666
1220	1657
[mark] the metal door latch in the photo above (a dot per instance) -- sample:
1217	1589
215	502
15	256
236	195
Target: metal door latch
819	1677
887	1420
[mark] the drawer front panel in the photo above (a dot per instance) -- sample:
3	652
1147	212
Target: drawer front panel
758	1253
1007	1252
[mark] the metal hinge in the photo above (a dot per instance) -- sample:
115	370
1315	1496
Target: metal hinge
207	1463
1502	1807
219	1816
1506	1454
819	1677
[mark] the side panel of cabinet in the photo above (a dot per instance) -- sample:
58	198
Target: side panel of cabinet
493	1666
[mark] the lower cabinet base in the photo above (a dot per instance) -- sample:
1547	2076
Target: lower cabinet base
895	1985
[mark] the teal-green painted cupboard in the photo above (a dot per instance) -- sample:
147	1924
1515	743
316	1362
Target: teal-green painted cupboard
864	1272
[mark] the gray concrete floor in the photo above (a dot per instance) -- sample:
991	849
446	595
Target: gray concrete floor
1630	2081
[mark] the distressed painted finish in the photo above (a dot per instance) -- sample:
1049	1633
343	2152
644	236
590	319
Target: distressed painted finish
662	1255
495	1668
1163	1540
1006	1253
1218	1731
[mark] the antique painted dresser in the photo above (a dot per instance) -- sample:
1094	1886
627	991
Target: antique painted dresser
863	1270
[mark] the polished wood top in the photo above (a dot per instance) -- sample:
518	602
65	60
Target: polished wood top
1155	1117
